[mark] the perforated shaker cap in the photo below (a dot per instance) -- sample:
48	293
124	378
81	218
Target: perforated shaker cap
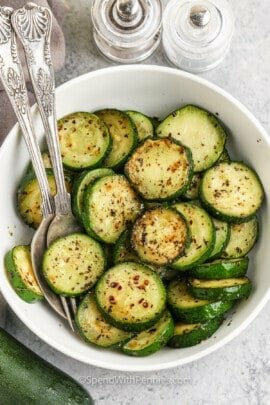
197	34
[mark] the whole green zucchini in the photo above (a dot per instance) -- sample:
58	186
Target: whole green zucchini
26	379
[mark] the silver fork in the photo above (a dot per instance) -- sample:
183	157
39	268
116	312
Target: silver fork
32	25
11	73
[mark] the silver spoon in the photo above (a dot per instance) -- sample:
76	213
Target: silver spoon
12	77
33	25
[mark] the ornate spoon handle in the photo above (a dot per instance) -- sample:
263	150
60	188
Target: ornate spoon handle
33	24
11	73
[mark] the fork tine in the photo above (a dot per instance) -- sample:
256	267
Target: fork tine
67	311
73	304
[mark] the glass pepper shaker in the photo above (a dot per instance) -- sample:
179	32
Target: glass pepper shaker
127	31
197	33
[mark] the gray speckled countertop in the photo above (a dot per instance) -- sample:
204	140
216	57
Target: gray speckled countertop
238	373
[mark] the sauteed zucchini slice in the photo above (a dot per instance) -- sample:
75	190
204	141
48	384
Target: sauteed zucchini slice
131	296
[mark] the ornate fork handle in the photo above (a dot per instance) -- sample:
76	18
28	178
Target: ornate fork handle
11	73
33	24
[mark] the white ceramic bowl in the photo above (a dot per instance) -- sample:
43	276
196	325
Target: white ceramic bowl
155	91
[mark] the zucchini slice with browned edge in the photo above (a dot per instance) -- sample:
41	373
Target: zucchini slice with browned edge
226	289
94	328
80	184
202	236
221	268
123	133
223	232
72	264
186	308
159	169
123	252
231	191
186	335
84	141
242	239
26	379
159	236
29	197
197	129
110	205
144	125
131	296
21	274
152	339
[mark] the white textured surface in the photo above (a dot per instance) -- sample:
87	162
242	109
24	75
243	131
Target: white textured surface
239	373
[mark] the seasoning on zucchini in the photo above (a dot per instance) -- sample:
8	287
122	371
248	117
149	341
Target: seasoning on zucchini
225	289
131	296
221	268
110	205
242	239
159	236
29	198
81	183
144	125
186	335
72	264
94	328
123	252
197	129
231	191
188	309
152	339
84	141
223	231
21	274
123	133
192	193
202	236
160	169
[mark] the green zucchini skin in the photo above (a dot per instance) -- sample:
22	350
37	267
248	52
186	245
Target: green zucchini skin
108	116
83	127
223	233
248	212
22	288
197	219
198	130
219	269
151	340
197	334
233	292
26	379
94	329
197	310
136	317
80	184
122	251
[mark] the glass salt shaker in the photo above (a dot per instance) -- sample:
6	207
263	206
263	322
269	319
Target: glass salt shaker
197	33
127	31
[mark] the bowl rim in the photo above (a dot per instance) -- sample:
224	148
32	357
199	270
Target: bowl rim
235	332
